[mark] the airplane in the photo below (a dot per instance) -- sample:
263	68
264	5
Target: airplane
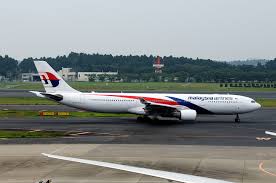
170	176
149	106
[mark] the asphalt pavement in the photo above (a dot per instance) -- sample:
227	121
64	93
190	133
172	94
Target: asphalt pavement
207	130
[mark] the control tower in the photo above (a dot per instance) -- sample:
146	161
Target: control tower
157	65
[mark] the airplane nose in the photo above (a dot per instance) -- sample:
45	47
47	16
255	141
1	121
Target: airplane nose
258	106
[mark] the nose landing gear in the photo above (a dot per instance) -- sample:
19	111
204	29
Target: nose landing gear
237	119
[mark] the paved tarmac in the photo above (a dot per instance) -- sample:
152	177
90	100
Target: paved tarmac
25	164
213	146
38	108
26	93
207	130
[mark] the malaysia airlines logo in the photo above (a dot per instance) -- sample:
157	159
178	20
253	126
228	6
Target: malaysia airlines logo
47	76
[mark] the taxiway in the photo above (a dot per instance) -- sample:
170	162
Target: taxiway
207	130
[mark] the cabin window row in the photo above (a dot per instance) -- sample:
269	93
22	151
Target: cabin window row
217	101
113	100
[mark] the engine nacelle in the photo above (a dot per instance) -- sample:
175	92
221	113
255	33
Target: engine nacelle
187	115
137	110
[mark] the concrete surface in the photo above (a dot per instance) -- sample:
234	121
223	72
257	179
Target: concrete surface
25	164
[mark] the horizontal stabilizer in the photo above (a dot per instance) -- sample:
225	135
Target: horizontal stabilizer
37	93
55	97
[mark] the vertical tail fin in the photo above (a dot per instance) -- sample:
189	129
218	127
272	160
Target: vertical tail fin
51	81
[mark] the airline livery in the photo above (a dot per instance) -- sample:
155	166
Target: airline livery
185	107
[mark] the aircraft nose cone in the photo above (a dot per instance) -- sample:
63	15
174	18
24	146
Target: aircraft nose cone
258	106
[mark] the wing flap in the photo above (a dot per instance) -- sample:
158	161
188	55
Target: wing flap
148	103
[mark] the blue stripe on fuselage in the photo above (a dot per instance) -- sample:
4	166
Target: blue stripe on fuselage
198	109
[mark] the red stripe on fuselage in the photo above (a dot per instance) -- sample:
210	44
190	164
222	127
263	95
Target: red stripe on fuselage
149	99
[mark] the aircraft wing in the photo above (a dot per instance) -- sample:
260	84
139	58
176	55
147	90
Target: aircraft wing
171	176
162	107
150	104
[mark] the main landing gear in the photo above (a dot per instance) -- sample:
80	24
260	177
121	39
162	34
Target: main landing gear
237	119
143	118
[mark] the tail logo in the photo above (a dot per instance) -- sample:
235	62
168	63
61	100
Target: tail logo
47	76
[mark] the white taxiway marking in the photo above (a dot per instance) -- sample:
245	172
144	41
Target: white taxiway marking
172	176
270	133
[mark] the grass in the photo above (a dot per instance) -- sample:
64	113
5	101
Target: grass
30	134
22	85
149	86
26	101
267	102
30	114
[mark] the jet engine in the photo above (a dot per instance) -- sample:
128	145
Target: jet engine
187	115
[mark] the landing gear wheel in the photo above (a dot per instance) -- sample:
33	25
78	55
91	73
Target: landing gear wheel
143	118
237	119
155	118
140	118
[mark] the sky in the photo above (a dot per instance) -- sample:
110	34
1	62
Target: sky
212	29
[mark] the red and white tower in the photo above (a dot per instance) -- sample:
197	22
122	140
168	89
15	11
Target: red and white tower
157	65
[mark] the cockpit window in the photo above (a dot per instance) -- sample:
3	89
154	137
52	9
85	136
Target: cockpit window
253	101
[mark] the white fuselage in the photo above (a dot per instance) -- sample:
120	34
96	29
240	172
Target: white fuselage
131	102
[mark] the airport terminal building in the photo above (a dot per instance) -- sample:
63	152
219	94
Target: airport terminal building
68	75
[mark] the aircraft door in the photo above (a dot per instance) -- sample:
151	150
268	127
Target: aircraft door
236	106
